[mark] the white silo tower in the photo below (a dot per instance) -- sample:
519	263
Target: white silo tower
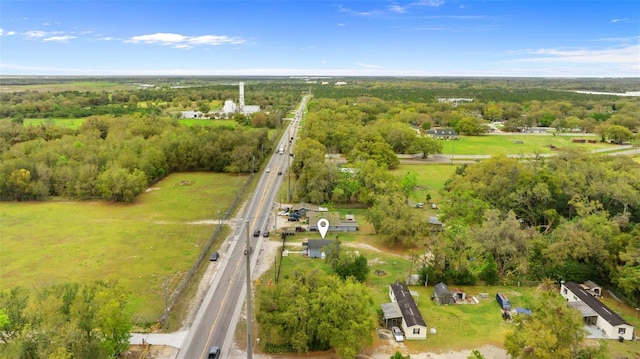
241	100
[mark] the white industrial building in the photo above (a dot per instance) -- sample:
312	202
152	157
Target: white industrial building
230	107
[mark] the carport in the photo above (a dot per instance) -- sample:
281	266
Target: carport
391	314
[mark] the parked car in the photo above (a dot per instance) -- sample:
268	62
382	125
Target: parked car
293	219
300	229
265	233
397	334
434	206
283	213
420	205
214	352
256	233
214	256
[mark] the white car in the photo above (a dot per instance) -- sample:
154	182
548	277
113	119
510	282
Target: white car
397	334
268	170
283	213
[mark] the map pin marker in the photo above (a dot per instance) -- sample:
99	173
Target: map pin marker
323	226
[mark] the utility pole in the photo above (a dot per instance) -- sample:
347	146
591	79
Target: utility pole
249	314
289	168
166	304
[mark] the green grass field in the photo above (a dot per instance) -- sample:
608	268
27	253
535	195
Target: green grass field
73	123
431	179
140	244
516	144
70	86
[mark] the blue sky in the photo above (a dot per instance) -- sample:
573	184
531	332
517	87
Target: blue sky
321	38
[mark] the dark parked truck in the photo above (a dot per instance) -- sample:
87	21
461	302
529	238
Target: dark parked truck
503	301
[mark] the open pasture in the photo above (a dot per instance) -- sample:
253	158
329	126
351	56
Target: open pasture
139	244
517	144
72	123
69	86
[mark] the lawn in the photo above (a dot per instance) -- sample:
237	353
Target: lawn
479	324
458	327
517	144
69	86
431	179
139	244
72	123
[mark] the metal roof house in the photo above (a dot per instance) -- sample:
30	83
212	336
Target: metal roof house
443	134
595	312
336	224
413	325
318	248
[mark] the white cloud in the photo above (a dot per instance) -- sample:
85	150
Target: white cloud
620	55
35	34
619	20
397	8
431	3
184	42
324	62
59	38
357	13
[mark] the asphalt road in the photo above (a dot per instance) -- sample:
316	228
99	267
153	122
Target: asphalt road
221	307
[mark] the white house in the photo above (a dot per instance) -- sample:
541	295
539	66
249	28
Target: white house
595	312
413	325
192	114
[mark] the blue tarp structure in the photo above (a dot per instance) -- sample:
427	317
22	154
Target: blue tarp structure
523	311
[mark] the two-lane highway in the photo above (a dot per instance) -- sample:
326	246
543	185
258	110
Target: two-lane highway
220	309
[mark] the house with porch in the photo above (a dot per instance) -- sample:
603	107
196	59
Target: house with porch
443	134
412	324
595	313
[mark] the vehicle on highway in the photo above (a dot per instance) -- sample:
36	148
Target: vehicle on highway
250	251
265	233
214	256
279	173
268	170
256	233
214	352
397	334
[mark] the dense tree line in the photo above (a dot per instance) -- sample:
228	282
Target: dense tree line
313	310
572	217
65	321
272	96
116	158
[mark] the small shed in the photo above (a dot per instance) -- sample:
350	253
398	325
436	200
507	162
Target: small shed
435	224
442	294
592	288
